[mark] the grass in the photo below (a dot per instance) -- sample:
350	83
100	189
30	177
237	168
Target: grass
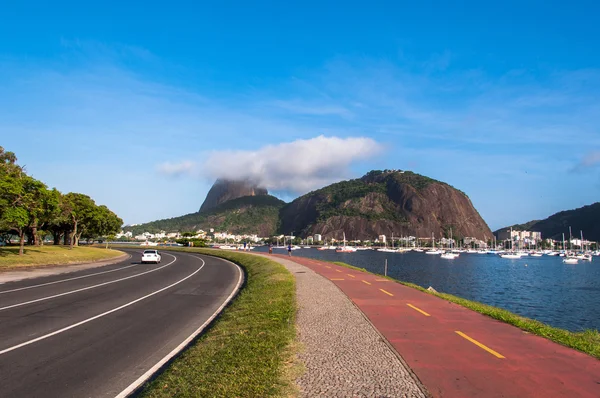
587	341
249	351
34	256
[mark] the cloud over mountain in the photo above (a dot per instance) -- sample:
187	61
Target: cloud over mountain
298	166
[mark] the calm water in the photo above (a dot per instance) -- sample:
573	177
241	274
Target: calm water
542	288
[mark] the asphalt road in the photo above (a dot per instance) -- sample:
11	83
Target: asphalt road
95	332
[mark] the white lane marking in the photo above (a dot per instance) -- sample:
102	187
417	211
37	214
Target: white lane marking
99	315
142	379
87	288
70	279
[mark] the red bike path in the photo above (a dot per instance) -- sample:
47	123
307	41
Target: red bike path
456	352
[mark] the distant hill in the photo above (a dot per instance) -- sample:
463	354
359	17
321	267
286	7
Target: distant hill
586	219
384	202
244	215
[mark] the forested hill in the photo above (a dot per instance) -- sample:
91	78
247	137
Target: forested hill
585	219
245	215
382	203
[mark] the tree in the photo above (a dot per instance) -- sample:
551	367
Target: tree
26	204
43	206
10	185
80	208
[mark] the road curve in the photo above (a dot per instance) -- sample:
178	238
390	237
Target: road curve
99	332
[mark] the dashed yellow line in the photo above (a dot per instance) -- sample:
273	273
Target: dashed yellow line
382	280
478	344
327	266
418	309
338	270
336	279
368	283
350	275
386	292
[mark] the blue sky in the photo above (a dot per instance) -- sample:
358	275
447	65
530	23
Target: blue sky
502	101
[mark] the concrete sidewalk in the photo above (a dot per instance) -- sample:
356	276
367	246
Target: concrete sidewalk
456	352
344	356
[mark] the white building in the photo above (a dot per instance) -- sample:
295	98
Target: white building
317	238
381	238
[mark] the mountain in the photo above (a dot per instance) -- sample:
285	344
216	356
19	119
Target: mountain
225	190
382	202
244	215
586	219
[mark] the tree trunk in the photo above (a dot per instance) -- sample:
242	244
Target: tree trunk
66	238
73	235
34	232
56	236
22	242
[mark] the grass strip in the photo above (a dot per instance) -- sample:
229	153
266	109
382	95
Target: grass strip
34	256
587	341
248	351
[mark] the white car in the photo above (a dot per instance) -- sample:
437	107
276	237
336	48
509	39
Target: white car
151	256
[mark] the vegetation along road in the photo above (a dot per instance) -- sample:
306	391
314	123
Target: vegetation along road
103	331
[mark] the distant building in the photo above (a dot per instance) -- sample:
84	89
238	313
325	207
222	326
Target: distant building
524	236
382	239
477	242
318	238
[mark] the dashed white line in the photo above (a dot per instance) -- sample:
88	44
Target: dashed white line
136	384
102	314
86	288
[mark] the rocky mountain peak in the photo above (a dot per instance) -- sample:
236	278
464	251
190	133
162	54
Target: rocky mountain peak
226	190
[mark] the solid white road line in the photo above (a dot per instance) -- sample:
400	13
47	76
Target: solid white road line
87	288
99	315
70	279
142	379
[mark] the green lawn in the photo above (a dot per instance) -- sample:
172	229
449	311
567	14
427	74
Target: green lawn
587	341
51	255
249	351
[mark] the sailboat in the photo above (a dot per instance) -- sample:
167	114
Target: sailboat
569	258
512	254
583	255
449	255
344	248
385	249
433	249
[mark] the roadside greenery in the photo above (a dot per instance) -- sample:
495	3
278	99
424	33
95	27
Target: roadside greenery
52	255
248	351
30	210
587	341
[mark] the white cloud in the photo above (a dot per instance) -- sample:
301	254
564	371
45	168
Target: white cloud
590	160
176	168
298	166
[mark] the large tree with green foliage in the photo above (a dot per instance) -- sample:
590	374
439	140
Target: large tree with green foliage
28	207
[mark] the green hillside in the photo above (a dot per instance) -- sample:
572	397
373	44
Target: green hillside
383	183
245	215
